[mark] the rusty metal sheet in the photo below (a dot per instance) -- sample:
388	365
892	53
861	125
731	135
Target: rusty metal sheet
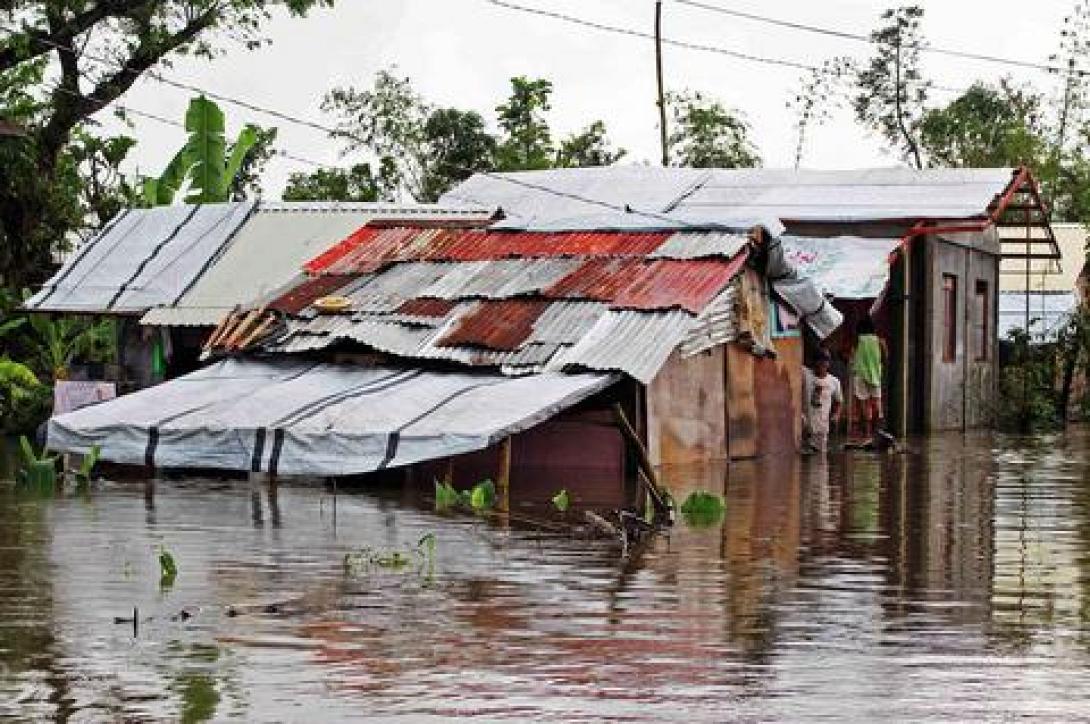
502	324
303	295
426	307
677	284
597	279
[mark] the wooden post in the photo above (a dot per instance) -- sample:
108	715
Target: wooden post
503	477
643	459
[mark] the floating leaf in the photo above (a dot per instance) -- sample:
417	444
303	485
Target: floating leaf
562	501
702	509
446	496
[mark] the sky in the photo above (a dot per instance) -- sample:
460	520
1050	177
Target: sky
463	53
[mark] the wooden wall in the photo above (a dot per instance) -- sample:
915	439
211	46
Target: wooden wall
725	403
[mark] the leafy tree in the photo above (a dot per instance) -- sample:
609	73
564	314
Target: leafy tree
706	134
527	142
421	151
986	126
64	61
205	162
458	144
353	184
590	147
892	93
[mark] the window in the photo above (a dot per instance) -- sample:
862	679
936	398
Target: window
949	317
980	320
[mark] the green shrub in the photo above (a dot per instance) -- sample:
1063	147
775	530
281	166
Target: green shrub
24	401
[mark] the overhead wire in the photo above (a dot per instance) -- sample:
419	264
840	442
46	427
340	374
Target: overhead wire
857	37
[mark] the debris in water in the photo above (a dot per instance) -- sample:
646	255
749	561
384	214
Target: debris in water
702	509
168	569
562	501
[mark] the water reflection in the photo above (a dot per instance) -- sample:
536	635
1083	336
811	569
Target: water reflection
951	582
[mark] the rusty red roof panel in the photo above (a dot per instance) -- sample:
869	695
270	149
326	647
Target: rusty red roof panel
370	248
303	295
425	307
678	284
501	324
599	279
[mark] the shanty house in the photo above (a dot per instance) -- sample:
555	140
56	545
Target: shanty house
170	273
471	353
947	230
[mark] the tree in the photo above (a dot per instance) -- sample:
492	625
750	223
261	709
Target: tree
527	142
590	147
818	97
69	59
458	145
987	126
421	151
892	93
706	134
353	184
205	162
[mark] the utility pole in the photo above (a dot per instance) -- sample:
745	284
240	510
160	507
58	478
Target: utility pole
662	95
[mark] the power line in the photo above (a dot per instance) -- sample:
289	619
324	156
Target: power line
844	35
687	45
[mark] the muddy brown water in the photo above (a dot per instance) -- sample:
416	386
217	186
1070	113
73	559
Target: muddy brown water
951	583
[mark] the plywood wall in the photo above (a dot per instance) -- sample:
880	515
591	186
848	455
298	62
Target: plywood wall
764	400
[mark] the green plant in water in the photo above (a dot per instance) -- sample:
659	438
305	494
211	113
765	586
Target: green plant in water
83	474
446	496
702	509
368	558
39	471
483	495
562	501
168	569
24	401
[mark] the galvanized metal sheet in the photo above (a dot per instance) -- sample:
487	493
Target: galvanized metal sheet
565	322
143	259
637	343
700	245
535	200
682	284
502	324
716	325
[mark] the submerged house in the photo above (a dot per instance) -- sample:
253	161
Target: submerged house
169	274
948	230
469	353
605	321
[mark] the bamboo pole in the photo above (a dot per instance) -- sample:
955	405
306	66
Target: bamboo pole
503	476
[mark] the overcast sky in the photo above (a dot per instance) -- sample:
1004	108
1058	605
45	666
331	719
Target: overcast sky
463	53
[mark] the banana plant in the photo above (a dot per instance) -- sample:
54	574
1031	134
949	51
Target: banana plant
204	161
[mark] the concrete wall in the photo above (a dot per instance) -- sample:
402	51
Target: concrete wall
960	392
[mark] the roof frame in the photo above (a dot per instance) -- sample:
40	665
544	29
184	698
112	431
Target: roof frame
1022	220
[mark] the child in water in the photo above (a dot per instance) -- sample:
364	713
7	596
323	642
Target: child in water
867	377
821	403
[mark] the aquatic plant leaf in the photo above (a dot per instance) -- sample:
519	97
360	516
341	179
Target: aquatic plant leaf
562	501
446	496
29	456
168	569
483	496
88	464
702	509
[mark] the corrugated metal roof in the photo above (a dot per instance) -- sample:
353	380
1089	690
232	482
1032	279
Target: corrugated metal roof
271	248
716	325
502	324
387	291
1048	312
597	279
426	308
369	248
671	283
498	279
637	343
535	200
144	258
301	297
565	322
700	244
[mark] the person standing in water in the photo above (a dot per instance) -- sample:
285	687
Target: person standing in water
867	377
821	402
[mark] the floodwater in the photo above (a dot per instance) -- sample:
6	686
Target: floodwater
950	583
